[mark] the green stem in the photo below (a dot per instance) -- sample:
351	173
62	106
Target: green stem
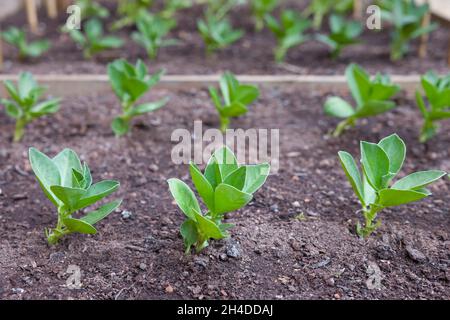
369	217
343	126
224	123
53	235
20	129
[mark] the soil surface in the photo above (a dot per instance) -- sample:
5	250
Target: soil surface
250	55
295	240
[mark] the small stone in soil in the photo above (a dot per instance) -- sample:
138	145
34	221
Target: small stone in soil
233	249
169	289
143	266
415	254
274	208
126	214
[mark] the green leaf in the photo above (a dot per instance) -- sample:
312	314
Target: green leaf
147	107
67	195
96	192
207	227
393	197
67	160
338	107
184	197
46	172
101	213
395	149
359	83
80	226
204	188
418	180
235	109
212	172
226	161
375	164
120	126
227	198
246	94
189	233
46	107
237	178
255	177
12	109
373	108
13	93
353	174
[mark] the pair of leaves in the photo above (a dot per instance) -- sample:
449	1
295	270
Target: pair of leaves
93	40
260	9
321	8
217	33
380	164
342	34
235	96
151	34
437	92
371	95
289	31
224	187
17	38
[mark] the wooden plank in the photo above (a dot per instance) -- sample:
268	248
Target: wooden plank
71	85
422	52
32	15
1	51
52	8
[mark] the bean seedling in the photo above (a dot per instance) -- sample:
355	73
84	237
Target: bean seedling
129	84
320	8
235	98
371	96
225	186
380	164
93	40
342	34
68	185
260	9
288	31
151	34
217	33
92	9
24	105
17	38
437	92
406	18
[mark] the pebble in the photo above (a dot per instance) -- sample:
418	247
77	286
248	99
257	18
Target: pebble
415	254
296	204
169	289
274	208
153	167
143	266
126	214
18	290
233	249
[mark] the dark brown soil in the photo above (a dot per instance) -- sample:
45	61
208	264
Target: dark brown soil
294	241
251	55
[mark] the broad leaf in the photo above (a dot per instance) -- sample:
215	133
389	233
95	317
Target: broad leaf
227	198
418	180
184	197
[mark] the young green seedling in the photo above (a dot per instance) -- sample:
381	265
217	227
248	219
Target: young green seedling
371	96
24	105
225	186
68	185
320	8
93	40
17	38
260	9
342	34
380	164
217	34
406	18
130	11
437	92
151	34
129	84
235	98
288	32
92	9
